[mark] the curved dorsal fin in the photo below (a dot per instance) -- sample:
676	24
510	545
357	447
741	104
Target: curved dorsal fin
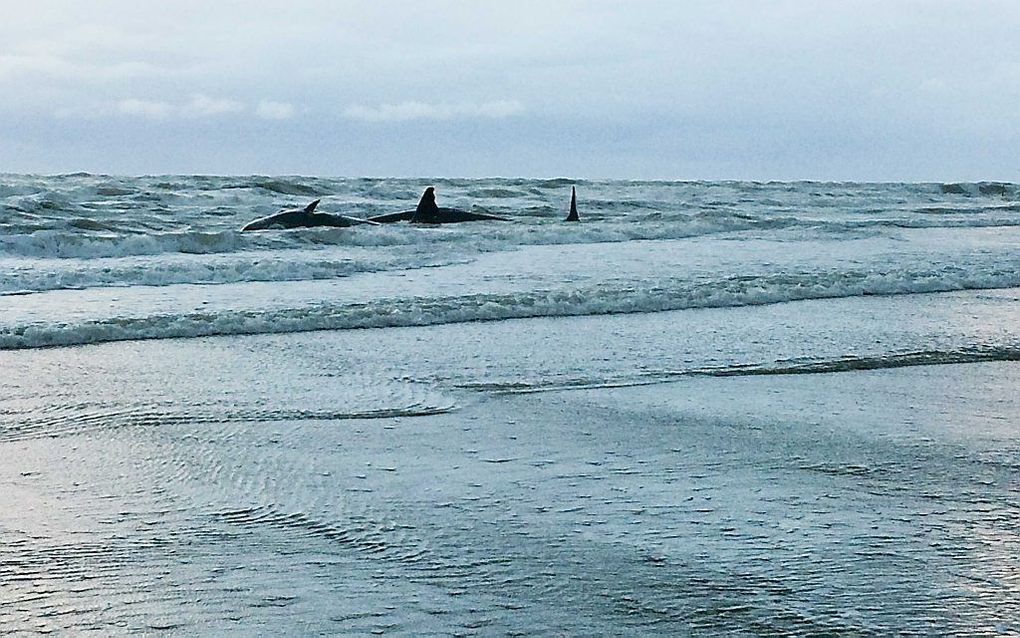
572	216
309	208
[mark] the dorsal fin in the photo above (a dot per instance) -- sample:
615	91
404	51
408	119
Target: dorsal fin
572	216
427	211
311	207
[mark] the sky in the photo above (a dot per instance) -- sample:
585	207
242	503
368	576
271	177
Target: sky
883	90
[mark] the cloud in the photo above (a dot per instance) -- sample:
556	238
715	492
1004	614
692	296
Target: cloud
269	110
406	111
35	68
198	106
205	106
145	108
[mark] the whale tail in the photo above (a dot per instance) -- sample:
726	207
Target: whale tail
572	216
311	207
427	212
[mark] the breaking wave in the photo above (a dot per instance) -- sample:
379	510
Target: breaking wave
663	295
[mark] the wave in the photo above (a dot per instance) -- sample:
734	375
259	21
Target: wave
264	266
623	298
79	420
985	189
88	216
851	363
64	245
970	354
287	187
87	238
373	539
76	245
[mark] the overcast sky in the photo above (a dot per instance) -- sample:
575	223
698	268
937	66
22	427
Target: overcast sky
771	89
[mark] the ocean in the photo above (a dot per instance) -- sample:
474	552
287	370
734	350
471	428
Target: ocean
782	408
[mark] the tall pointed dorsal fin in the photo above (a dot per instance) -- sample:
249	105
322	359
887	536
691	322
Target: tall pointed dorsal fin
311	207
427	211
572	216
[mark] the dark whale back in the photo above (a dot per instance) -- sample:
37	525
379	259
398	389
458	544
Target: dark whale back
389	218
454	215
304	218
428	213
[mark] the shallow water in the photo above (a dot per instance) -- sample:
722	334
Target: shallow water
264	493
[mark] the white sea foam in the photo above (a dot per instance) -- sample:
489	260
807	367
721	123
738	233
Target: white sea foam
400	311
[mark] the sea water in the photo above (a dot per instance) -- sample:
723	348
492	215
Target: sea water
706	407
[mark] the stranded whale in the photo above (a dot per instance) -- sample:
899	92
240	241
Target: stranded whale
428	213
302	218
572	215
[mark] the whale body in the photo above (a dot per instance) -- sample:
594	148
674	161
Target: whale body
428	213
304	218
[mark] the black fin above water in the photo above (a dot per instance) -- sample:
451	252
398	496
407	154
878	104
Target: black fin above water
309	208
427	212
572	216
